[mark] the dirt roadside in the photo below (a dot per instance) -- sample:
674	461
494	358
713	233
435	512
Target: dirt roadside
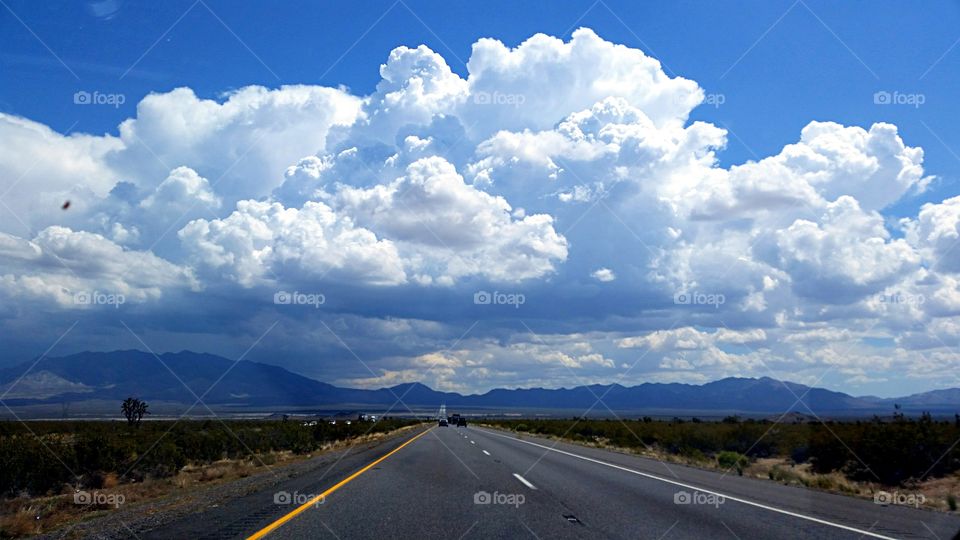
172	500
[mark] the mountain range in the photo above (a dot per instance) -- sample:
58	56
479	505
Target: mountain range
187	377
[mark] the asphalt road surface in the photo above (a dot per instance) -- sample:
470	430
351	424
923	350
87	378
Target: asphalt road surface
449	482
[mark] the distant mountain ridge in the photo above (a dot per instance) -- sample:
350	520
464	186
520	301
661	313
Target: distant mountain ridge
187	377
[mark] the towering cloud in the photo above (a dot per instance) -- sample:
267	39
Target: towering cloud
563	171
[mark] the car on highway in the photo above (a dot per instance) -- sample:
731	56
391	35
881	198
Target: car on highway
443	422
461	422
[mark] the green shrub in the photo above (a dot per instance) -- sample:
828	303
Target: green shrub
38	458
892	452
800	454
733	460
779	474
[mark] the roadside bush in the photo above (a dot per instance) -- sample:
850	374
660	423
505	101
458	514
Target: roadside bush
889	452
800	454
732	460
38	458
23	522
779	474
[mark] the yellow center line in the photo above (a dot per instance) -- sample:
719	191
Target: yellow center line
276	524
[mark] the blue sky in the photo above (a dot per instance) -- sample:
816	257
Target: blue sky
765	71
779	64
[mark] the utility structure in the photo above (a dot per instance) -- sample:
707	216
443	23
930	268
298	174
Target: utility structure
442	415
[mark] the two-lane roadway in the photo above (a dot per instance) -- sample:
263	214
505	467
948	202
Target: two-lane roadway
448	482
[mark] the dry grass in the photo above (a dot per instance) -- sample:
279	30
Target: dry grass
785	472
110	481
24	516
937	493
22	522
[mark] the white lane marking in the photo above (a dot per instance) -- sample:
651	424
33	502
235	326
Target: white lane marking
688	486
487	453
471	442
525	481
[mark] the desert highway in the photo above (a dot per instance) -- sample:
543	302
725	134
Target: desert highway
449	482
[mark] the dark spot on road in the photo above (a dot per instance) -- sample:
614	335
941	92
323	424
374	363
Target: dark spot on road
572	518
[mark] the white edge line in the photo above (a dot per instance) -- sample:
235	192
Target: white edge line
688	486
487	453
525	481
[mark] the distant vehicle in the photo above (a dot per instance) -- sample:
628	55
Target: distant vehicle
455	419
461	422
443	422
